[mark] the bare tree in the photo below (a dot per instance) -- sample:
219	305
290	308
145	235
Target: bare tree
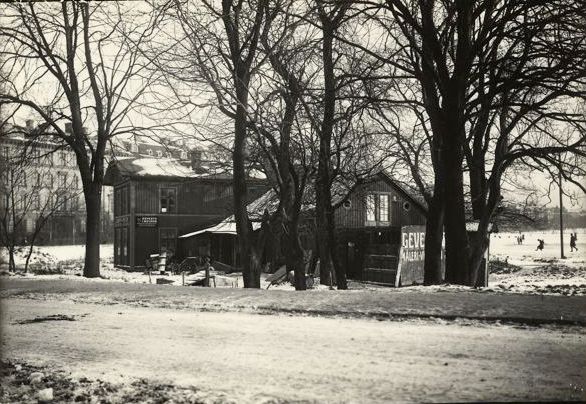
73	63
28	201
218	50
463	57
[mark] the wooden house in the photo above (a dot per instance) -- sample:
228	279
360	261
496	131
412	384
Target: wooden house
157	199
368	225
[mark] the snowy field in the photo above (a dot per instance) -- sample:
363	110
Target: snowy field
514	268
521	268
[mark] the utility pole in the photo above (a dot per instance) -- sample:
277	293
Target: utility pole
561	210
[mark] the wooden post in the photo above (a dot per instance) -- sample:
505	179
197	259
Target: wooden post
207	271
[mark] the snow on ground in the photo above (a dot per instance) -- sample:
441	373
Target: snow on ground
524	269
514	268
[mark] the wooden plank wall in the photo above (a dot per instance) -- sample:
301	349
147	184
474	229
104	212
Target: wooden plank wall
355	216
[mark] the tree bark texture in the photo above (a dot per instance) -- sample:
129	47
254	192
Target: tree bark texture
434	231
457	246
325	210
93	202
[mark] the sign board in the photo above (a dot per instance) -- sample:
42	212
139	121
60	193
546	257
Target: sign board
121	221
147	221
411	256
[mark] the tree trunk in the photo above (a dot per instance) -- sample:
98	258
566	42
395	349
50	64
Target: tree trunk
322	248
457	245
434	230
339	270
28	255
294	254
11	263
250	259
477	186
93	202
325	213
479	244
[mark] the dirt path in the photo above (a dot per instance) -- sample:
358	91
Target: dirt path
380	303
254	358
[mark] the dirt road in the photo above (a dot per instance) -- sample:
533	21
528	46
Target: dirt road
256	358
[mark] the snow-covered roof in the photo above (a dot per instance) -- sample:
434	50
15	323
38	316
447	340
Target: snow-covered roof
267	201
226	226
153	167
165	167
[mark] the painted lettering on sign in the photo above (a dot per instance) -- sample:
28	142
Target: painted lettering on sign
412	256
412	246
147	221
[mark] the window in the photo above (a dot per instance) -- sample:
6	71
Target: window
30	225
121	246
168	198
49	181
36	154
74	203
121	202
150	152
159	153
38	179
36	201
62	158
371	208
377	209
62	180
167	240
49	158
75	182
383	208
61	203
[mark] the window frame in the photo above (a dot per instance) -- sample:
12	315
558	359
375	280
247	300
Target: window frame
170	234
373	204
165	189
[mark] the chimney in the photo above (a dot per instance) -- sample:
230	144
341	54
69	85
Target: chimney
195	155
30	125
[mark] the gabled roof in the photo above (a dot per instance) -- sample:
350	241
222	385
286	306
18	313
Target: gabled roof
409	193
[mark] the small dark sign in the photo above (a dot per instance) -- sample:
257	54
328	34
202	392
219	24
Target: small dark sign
147	221
121	221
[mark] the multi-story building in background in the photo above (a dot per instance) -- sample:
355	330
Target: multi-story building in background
49	182
41	183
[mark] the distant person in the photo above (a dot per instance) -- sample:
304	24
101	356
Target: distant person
573	238
540	245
